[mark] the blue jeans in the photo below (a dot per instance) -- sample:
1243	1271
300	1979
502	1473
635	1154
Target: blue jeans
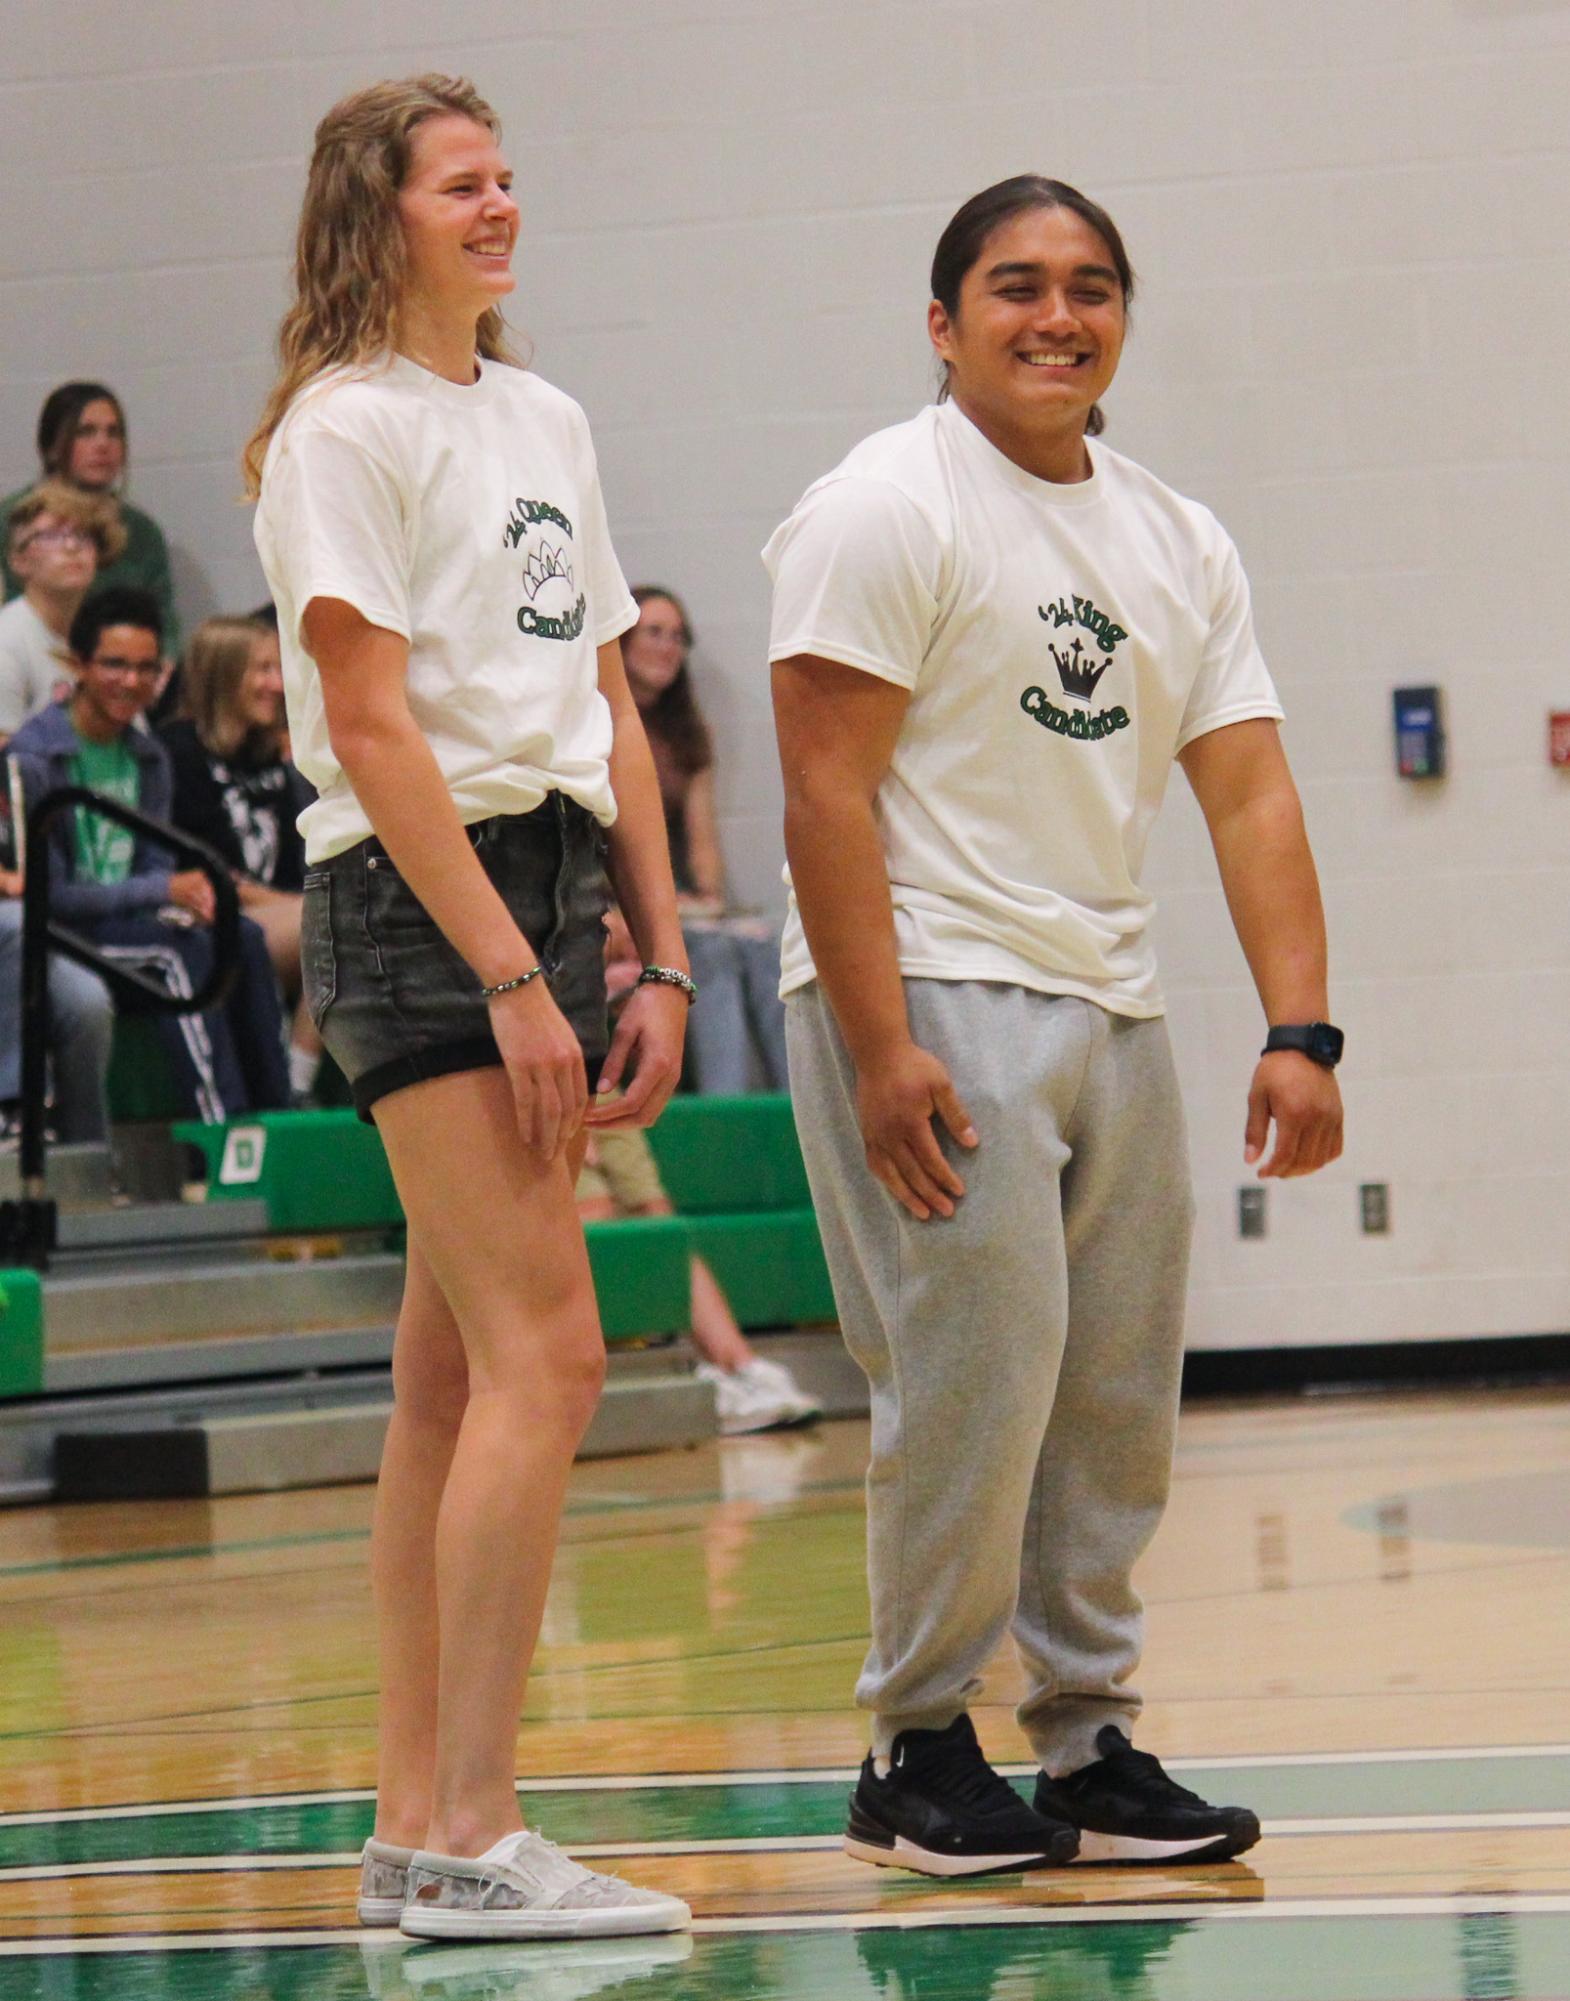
81	1021
739	1014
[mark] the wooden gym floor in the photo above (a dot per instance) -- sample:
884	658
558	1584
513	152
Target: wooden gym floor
1359	1623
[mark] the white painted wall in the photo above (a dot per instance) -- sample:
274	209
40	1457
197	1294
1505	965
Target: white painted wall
1350	227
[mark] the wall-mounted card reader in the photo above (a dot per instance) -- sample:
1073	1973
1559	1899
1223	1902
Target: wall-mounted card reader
1420	733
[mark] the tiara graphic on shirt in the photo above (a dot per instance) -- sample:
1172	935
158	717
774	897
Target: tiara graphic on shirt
543	564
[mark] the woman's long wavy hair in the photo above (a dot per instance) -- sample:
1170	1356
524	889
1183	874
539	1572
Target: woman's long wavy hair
212	675
349	263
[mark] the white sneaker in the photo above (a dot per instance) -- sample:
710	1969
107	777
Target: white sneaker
384	1882
525	1887
759	1396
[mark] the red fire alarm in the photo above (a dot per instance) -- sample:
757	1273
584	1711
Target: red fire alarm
1559	737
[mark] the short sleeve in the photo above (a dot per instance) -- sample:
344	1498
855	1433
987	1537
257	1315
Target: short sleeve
611	606
339	527
1233	684
855	572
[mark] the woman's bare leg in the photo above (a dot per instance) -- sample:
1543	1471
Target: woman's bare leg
431	1390
498	1233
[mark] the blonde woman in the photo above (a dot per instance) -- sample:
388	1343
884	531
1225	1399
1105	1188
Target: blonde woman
449	606
235	788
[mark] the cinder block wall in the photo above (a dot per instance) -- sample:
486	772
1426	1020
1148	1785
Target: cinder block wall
1350	228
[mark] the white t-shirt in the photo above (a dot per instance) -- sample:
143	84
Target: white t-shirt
34	664
469	521
1061	644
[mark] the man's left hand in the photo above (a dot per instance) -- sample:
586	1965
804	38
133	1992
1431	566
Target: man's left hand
1303	1101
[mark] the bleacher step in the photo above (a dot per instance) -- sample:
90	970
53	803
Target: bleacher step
267	1451
147	1226
75	1174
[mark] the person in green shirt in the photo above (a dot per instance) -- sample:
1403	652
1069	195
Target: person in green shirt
119	889
82	440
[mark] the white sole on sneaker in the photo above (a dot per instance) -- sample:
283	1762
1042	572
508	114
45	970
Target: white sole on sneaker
380	1913
629	1922
1137	1848
906	1855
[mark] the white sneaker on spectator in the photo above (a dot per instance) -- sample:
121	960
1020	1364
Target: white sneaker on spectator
526	1887
759	1396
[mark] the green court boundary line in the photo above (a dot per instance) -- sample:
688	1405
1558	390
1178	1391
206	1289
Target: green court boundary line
764	1844
1441	1907
799	1776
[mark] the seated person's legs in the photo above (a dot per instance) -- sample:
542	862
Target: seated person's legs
278	912
619	1178
256	1023
199	1046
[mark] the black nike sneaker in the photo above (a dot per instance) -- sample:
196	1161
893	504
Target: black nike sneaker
943	1811
1128	1810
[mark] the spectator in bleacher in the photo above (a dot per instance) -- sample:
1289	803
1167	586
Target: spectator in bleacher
81	1014
735	953
118	889
82	440
235	789
619	1177
57	539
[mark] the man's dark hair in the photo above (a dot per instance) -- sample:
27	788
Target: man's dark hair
120	604
265	614
965	237
62	412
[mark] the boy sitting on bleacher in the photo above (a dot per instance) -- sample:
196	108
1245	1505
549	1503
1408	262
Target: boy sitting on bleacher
118	889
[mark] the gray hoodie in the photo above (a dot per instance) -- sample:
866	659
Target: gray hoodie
44	747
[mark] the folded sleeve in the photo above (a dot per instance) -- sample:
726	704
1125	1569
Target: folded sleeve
855	572
340	525
1233	684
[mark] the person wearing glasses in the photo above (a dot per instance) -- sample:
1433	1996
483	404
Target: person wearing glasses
57	541
82	441
118	888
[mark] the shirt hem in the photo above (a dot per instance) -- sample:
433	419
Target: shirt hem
843	656
1040	983
1245	712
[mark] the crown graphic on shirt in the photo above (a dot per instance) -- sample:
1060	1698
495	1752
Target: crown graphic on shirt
543	564
1078	672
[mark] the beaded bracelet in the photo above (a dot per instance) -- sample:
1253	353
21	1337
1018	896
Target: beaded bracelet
668	976
506	986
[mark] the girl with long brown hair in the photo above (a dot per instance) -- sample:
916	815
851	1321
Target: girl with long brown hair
235	788
449	605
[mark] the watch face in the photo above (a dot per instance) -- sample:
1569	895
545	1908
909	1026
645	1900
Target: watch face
1325	1043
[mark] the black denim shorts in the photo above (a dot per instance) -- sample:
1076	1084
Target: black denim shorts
396	1004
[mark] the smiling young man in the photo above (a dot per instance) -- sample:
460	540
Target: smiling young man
991	640
118	888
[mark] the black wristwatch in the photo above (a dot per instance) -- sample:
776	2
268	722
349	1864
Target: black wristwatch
1316	1040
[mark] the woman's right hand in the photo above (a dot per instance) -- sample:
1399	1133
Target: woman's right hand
544	1066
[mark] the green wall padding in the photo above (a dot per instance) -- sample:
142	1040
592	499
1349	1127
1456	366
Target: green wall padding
642	1276
21	1334
314	1170
720	1155
770	1267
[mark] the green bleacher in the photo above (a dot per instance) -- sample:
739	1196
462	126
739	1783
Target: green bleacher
732	1167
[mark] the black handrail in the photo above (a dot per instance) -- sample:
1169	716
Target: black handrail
29	1233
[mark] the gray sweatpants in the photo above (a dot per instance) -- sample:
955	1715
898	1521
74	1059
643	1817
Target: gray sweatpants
1024	1356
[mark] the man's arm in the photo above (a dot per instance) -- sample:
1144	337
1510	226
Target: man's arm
1240	777
837	728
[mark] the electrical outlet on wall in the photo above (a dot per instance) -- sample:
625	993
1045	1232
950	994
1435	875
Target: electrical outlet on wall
1251	1212
1374	1208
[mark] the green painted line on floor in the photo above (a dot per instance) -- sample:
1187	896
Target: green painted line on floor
764	1809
